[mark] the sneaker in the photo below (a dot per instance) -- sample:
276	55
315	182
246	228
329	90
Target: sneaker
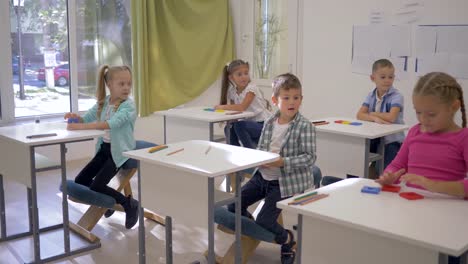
109	213
288	250
131	212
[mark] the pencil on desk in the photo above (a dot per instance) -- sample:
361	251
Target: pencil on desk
157	148
208	149
313	199
41	135
304	196
174	152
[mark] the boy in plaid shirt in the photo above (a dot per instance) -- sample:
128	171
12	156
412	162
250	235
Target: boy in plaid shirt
292	136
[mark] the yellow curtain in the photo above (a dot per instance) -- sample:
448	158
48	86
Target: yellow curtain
179	49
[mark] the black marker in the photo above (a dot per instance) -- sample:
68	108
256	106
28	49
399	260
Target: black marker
42	135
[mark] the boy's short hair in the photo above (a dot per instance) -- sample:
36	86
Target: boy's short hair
285	81
382	63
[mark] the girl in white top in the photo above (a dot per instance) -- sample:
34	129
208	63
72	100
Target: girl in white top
238	94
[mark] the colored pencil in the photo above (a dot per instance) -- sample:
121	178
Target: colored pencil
310	199
305	196
313	199
157	148
208	149
174	152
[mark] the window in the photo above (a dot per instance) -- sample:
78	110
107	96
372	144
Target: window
103	36
274	31
56	49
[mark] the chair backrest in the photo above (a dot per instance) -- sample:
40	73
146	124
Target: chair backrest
140	144
317	174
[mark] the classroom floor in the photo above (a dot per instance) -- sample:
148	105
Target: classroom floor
119	245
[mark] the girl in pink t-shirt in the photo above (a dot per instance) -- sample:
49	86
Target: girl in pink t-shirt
434	155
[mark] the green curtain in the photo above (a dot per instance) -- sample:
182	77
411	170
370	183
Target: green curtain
179	50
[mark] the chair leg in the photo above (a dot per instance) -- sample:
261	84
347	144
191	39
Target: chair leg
248	248
155	217
91	217
127	190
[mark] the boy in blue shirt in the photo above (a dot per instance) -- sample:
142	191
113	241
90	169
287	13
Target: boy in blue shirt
384	105
292	136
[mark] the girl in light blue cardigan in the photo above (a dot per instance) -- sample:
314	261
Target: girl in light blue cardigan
116	114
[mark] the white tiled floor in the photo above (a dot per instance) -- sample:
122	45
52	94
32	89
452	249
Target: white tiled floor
119	245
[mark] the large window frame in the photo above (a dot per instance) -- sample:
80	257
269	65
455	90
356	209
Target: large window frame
7	99
6	76
247	37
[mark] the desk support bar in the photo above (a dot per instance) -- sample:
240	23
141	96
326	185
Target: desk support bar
366	158
299	239
66	227
211	253
238	219
168	227
34	208
165	130
2	210
141	219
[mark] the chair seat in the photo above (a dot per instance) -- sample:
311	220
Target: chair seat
88	196
140	144
249	228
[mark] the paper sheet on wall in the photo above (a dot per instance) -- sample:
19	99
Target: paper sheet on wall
371	41
408	12
430	63
425	41
400	64
400	39
375	42
458	65
363	65
452	39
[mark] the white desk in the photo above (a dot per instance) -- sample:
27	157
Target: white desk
344	149
353	227
194	123
17	163
160	185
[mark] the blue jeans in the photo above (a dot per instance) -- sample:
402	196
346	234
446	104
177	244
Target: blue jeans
390	150
247	132
255	190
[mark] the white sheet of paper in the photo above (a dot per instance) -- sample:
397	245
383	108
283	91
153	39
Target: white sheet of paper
458	66
452	39
373	40
361	38
362	65
400	39
435	62
425	41
400	63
